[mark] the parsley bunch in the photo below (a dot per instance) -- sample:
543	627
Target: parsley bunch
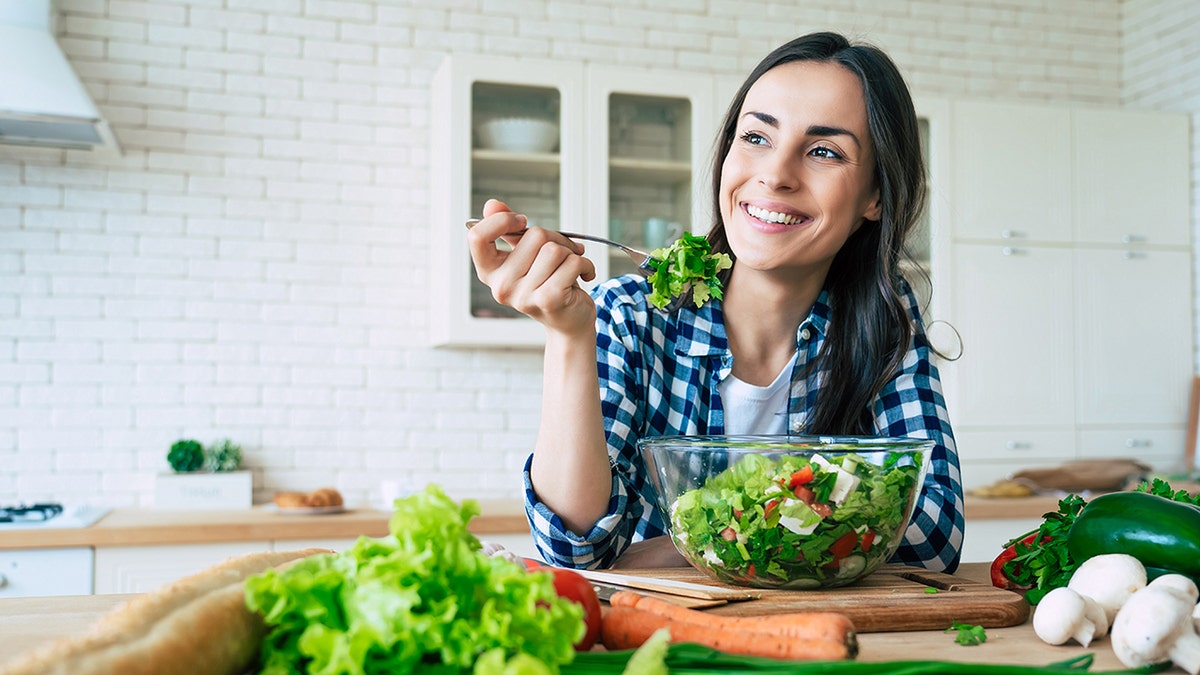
1043	563
687	262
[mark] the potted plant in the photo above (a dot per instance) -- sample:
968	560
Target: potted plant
204	477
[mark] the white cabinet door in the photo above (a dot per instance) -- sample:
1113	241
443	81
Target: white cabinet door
137	569
1012	307
1132	177
464	171
1160	448
49	571
1012	172
1133	336
988	456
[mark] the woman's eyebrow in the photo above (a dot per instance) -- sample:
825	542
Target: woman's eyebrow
823	130
814	130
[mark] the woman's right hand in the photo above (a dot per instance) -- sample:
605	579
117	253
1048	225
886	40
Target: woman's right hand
539	277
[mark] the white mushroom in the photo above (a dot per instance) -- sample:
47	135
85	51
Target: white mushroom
1155	625
1064	614
1108	579
1180	583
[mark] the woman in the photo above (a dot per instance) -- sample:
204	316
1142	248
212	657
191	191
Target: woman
818	178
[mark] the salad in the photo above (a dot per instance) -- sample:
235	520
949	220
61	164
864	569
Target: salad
687	264
799	522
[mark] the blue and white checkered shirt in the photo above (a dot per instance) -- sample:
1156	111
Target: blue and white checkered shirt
658	377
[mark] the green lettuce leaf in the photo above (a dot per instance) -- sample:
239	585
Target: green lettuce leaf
424	599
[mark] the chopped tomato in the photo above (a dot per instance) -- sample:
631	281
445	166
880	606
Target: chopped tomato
801	477
571	585
728	534
824	510
844	545
803	494
867	539
770	506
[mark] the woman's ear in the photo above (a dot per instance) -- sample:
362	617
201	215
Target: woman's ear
874	208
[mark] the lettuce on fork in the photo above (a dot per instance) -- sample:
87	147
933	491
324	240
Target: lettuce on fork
424	599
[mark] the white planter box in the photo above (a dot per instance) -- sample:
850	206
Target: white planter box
200	490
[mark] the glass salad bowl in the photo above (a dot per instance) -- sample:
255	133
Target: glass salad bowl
786	511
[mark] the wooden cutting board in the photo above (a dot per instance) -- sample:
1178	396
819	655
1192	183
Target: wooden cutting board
893	598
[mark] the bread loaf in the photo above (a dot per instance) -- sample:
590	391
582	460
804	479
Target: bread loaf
198	625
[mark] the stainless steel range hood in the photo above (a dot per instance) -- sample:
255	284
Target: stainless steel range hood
42	102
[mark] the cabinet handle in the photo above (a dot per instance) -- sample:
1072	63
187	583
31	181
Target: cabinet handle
1011	234
1132	239
1018	445
3	581
1132	255
1138	443
1009	250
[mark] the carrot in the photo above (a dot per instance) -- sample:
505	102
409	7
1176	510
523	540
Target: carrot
628	628
797	625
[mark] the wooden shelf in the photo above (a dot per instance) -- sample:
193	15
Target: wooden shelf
499	162
637	170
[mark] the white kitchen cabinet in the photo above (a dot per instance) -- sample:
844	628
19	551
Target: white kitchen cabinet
1132	177
1133	336
1012	172
1079	325
1013	309
47	571
632	145
137	569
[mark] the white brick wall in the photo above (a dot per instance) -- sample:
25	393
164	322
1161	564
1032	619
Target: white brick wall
1161	69
254	266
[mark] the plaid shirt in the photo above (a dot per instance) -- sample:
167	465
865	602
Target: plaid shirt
658	377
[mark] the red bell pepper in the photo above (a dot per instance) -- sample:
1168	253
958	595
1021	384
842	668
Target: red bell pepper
999	578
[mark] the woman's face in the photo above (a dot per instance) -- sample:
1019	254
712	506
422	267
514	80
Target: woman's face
799	177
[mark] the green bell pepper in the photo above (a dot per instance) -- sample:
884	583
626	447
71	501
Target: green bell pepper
1161	533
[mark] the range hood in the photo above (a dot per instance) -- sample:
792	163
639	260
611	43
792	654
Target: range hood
42	102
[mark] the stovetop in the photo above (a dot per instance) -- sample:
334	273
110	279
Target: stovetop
48	515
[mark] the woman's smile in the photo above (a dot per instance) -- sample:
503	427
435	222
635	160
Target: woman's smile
774	219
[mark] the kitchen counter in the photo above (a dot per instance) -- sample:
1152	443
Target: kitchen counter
27	622
133	527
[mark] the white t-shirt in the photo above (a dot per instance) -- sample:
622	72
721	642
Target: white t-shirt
750	409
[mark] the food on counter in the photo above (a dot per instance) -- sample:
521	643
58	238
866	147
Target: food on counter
967	635
424	596
573	586
1162	533
319	498
201	619
688	262
802	636
1108	579
1154	523
1003	488
1064	615
1155	625
795	521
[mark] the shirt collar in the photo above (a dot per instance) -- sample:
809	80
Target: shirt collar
701	332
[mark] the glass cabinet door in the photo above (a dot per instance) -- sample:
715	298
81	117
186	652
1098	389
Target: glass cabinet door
514	156
650	135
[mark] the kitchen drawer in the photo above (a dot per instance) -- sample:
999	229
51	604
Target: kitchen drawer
48	571
1160	448
137	569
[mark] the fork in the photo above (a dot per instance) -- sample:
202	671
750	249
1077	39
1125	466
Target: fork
639	258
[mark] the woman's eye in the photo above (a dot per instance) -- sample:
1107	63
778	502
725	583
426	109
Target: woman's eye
753	138
825	152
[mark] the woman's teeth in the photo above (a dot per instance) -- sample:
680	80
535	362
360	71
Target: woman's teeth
772	216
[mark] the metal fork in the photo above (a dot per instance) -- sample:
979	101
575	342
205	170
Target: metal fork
639	258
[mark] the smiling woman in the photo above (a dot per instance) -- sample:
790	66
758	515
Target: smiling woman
818	179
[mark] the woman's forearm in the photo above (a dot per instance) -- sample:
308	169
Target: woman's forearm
570	469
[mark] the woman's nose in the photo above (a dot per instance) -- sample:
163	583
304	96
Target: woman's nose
780	172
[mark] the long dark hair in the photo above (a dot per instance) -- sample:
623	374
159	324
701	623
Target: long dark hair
871	330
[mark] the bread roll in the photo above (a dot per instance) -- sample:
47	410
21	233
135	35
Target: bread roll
196	625
325	497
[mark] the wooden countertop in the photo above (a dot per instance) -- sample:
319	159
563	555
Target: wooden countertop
27	622
134	527
149	527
